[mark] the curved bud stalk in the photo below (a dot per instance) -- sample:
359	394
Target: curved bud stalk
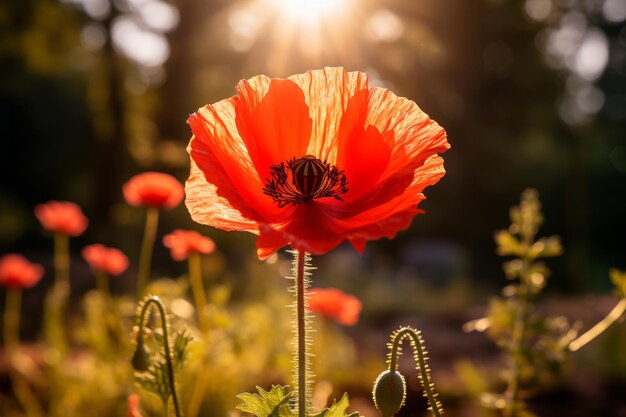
390	389
158	375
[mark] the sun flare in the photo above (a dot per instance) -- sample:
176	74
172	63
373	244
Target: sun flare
308	11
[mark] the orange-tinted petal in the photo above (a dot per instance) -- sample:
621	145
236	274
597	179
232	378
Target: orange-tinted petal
326	93
224	189
269	241
416	136
363	152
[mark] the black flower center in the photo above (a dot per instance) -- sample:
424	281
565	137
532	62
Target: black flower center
304	179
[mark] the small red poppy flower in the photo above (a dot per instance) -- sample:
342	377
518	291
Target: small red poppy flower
335	304
62	217
133	406
153	189
18	272
100	258
181	243
311	161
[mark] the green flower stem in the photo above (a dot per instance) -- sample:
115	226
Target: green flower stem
195	402
166	346
199	296
302	347
422	367
62	261
22	390
197	288
600	327
56	300
102	283
147	246
12	319
519	333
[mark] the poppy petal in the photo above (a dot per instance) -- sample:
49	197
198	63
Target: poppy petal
416	136
269	241
327	93
222	173
273	120
396	214
363	152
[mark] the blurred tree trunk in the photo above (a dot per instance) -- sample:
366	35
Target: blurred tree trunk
111	160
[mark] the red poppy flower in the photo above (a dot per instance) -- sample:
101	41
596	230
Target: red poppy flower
153	189
312	160
62	217
18	272
100	258
133	406
183	242
335	304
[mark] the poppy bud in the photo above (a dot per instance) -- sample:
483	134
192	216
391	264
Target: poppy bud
389	393
141	357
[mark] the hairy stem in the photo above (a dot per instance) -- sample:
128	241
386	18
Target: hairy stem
420	356
600	327
147	246
166	346
197	288
302	373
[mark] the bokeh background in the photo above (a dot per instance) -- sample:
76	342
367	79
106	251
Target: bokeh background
531	93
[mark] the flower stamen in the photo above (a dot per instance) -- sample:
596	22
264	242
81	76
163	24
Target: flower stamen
304	179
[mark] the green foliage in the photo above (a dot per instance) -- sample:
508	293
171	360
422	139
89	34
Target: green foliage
338	409
536	346
533	344
275	403
618	278
156	378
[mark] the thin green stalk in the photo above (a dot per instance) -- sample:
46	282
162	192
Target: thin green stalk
197	288
166	411
56	300
62	261
195	402
147	246
166	346
519	334
12	319
199	296
102	283
22	390
600	327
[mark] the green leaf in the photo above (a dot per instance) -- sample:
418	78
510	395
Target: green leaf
508	244
338	409
267	404
618	278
